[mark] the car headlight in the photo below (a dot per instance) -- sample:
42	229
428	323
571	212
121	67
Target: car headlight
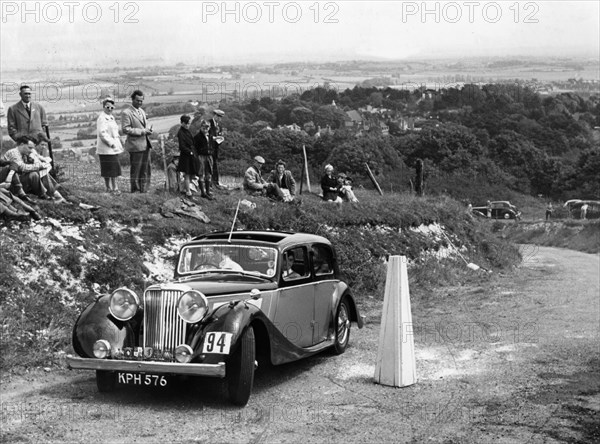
123	304
192	306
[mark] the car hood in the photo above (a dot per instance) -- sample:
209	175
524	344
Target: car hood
227	284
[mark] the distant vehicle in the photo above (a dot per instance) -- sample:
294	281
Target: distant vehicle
574	207
500	209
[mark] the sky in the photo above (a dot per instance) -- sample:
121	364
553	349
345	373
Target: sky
137	33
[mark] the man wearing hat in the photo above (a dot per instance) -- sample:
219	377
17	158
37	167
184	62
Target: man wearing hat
216	139
255	185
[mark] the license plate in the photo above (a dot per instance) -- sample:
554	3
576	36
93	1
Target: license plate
142	379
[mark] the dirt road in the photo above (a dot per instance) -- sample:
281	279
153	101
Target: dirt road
518	362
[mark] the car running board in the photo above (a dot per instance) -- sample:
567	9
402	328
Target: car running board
320	346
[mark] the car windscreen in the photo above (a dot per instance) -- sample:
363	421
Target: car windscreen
260	261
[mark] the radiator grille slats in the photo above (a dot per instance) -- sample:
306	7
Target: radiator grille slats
163	328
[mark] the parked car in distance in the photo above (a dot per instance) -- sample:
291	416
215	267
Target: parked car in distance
574	208
499	209
238	300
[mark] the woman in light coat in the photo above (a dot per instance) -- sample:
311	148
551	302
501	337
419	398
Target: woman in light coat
108	146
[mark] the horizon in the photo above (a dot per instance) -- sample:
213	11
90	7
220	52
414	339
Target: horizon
49	35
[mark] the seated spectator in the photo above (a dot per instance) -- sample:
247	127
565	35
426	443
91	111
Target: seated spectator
284	180
329	185
33	170
345	188
42	147
255	185
11	207
9	180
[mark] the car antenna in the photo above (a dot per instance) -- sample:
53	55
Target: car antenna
234	219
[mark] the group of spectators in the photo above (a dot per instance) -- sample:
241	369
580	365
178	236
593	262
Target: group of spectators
338	188
198	155
27	169
280	184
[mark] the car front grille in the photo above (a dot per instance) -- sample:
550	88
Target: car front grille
163	328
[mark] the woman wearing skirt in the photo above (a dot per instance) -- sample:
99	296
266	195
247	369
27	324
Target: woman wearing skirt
108	146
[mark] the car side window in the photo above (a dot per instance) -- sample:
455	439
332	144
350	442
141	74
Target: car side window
322	260
294	264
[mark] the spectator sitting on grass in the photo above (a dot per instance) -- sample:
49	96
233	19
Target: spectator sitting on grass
284	180
9	180
329	185
255	185
345	188
33	170
13	207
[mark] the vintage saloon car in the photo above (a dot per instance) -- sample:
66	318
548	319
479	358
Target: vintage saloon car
498	210
238	299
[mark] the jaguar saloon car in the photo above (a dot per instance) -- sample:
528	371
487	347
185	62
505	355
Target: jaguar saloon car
498	210
238	300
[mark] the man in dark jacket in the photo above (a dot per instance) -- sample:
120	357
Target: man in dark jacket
205	170
215	141
284	180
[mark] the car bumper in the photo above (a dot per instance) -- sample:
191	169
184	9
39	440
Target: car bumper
211	370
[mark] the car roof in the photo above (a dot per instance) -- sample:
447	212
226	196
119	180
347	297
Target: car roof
280	239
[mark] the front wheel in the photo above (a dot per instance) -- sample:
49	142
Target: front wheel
105	381
240	370
342	328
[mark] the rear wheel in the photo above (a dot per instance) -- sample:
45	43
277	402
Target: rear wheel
342	328
105	381
240	370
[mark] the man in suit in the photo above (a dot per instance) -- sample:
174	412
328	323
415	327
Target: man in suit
134	125
215	132
26	118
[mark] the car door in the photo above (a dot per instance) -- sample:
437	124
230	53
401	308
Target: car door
322	263
295	305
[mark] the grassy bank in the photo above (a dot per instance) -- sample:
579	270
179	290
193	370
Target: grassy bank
50	270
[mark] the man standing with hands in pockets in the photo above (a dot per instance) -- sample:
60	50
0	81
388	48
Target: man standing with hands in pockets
133	123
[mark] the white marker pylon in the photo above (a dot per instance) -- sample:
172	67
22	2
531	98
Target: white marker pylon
396	353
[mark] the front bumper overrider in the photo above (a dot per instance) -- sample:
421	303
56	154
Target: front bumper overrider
211	370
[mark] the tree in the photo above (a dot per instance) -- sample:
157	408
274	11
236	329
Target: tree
301	115
328	115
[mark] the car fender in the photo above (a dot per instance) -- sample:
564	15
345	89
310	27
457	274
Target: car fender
232	318
354	313
95	323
